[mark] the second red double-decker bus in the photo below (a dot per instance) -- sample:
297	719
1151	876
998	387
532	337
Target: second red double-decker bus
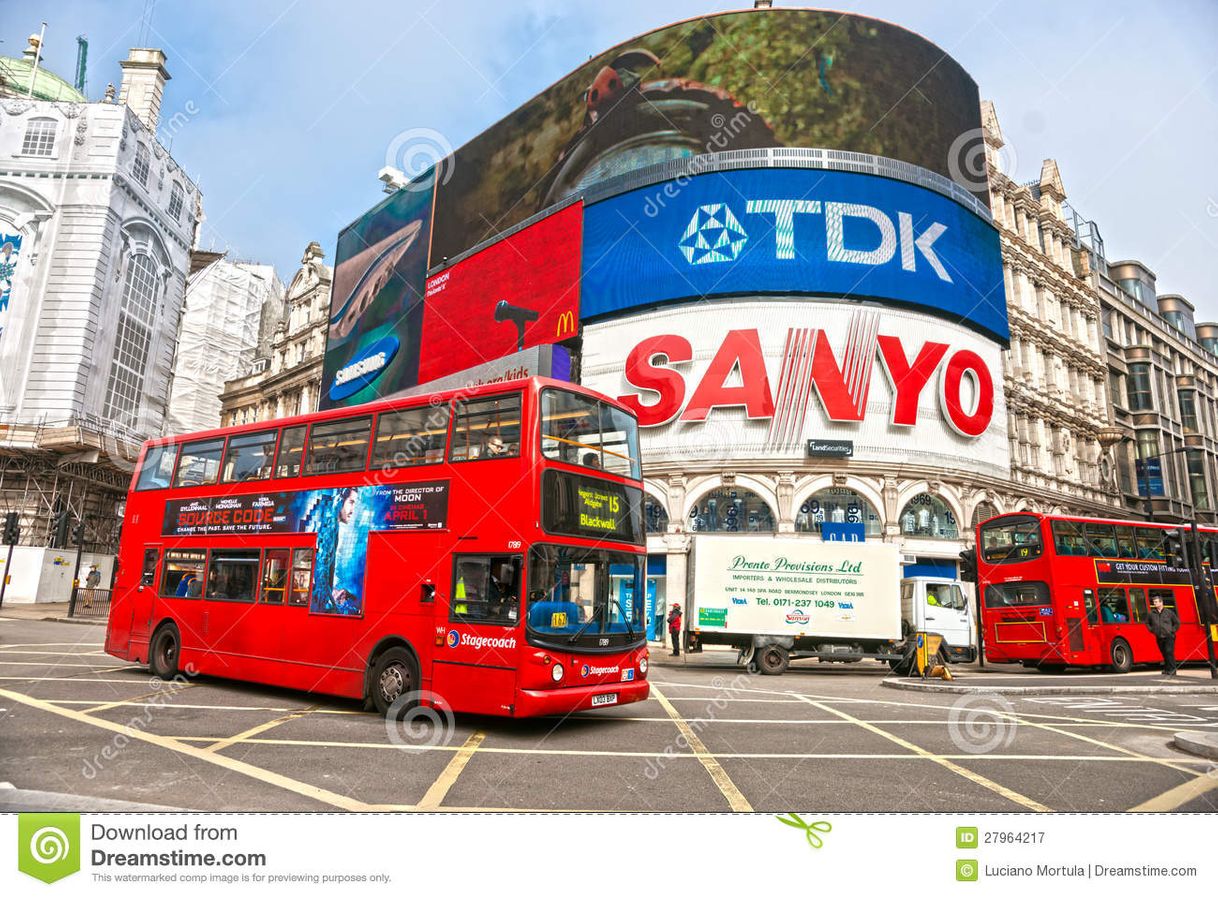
1071	591
480	551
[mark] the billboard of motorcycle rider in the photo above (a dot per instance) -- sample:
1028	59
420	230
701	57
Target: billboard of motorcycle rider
732	81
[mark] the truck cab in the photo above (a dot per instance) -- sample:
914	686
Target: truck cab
939	605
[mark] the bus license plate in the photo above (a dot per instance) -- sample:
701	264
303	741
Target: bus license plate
602	700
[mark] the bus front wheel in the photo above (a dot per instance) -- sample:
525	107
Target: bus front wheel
1122	656
394	676
163	655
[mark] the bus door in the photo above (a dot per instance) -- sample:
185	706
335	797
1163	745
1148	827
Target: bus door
1116	616
475	665
131	602
1076	623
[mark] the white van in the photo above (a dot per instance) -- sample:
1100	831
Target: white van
939	605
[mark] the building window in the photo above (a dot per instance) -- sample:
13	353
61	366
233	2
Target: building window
1188	411
654	515
1141	398
837	505
39	137
140	167
928	516
133	338
1196	479
984	511
176	199
731	510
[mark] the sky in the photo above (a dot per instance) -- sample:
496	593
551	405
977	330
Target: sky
285	111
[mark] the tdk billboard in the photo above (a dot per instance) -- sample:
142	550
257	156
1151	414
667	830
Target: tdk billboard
803	232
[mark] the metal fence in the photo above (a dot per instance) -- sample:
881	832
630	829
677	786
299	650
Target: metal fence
89	604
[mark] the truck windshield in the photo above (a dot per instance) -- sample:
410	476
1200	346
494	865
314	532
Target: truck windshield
1010	539
584	599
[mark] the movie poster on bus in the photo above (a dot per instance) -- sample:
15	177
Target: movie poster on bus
342	519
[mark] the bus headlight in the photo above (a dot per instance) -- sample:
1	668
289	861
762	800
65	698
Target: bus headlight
557	672
643	665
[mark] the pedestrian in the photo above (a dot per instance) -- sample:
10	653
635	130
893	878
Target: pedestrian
1163	624
92	581
674	629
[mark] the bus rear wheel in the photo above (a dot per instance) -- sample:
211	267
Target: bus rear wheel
772	660
1122	656
163	655
394	676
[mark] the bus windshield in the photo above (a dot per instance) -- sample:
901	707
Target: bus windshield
582	598
1011	539
580	430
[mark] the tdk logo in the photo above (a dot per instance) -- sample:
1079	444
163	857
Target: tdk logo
715	234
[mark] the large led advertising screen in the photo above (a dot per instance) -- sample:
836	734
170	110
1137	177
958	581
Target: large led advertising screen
520	292
733	81
776	231
376	303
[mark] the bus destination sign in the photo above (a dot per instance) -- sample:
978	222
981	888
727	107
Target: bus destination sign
583	506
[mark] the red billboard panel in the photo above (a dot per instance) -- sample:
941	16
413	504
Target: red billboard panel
518	293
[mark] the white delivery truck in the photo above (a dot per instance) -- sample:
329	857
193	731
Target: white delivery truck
781	599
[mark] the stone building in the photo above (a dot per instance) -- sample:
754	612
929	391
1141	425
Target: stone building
97	221
285	377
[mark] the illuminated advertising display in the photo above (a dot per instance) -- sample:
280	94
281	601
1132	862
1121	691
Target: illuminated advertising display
520	292
585	506
732	81
797	232
376	303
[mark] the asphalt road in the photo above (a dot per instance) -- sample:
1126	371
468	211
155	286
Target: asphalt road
75	721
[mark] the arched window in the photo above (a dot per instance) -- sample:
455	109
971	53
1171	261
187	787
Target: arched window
39	137
177	197
139	168
654	515
132	340
731	510
929	517
984	511
836	505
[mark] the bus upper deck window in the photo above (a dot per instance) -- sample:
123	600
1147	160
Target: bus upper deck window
338	446
486	428
157	469
199	464
250	456
291	447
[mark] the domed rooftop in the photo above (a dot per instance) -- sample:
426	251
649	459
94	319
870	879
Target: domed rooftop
15	75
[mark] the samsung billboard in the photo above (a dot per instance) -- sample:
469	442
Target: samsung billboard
797	232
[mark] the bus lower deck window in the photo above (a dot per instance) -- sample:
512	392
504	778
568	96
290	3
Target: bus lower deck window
302	577
183	576
233	574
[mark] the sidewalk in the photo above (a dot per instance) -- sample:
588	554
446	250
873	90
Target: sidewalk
50	611
972	679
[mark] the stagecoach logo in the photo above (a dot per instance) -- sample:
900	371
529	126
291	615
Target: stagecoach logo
798	616
479	641
588	670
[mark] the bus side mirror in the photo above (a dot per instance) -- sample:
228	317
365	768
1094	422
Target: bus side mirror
427	592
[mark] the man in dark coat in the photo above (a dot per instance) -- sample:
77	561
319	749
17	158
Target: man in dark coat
1163	624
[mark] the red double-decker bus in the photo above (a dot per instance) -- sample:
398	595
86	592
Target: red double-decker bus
1076	591
480	551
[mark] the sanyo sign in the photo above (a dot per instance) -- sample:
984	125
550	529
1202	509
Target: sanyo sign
793	232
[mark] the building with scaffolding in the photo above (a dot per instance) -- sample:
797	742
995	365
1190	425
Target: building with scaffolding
97	222
222	323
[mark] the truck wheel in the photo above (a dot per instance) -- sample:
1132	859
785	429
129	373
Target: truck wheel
163	655
772	660
1122	656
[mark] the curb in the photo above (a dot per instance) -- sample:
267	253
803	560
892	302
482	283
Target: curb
73	620
1052	689
1200	744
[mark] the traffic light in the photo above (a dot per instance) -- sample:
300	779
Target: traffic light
968	565
12	528
78	534
63	519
